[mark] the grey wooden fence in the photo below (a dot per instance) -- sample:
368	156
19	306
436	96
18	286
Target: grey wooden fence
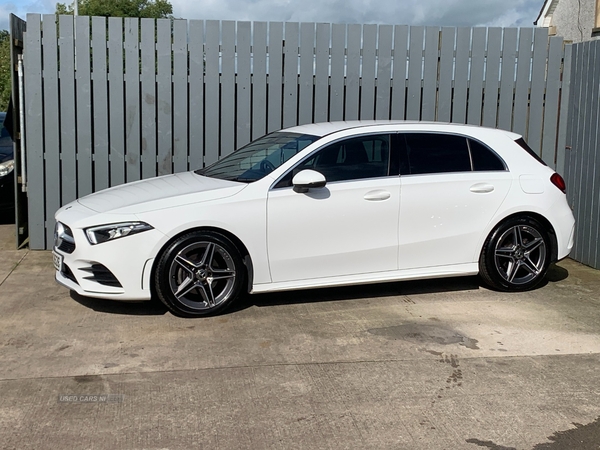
114	100
583	154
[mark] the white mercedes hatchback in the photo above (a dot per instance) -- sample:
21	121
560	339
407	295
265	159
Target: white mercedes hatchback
318	205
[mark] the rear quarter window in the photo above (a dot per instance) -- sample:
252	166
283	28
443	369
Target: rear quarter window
529	150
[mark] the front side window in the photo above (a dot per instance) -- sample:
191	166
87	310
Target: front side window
259	158
349	159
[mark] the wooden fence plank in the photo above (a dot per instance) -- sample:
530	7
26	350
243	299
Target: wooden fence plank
115	98
446	72
477	76
148	98
521	107
211	92
384	72
275	79
290	74
564	108
571	179
132	99
415	73
227	87
353	72
68	129
536	103
180	96
84	106
100	93
243	112
322	72
33	98
507	79
338	64
492	76
461	75
259	80
306	77
367	93
399	72
430	73
551	104
196	94
51	127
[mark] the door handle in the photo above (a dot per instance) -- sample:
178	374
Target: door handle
482	188
377	195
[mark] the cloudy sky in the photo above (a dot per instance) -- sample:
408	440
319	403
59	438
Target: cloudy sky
504	13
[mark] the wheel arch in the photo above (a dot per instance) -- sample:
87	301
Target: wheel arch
539	218
244	253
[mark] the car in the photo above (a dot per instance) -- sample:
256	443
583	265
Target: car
318	205
7	180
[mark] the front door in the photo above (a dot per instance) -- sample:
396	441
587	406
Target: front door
348	227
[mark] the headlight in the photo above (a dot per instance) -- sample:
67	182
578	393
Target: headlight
110	232
7	167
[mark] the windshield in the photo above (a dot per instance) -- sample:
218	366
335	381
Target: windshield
259	158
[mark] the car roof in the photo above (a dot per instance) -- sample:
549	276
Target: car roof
325	128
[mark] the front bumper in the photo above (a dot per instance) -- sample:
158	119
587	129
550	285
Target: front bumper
118	270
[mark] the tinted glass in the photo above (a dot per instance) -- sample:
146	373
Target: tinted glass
433	153
6	147
484	158
259	158
529	150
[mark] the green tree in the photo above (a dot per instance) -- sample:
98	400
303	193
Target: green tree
153	9
5	80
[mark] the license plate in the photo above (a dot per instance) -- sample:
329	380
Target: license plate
57	260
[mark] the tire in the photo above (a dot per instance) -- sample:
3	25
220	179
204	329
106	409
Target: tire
199	274
516	255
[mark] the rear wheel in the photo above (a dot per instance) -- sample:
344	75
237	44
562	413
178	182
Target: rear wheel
516	255
200	273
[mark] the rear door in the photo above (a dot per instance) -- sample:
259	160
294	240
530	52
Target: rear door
451	188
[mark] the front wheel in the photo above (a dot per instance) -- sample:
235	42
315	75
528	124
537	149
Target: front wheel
516	255
198	274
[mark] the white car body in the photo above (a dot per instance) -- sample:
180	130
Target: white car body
362	231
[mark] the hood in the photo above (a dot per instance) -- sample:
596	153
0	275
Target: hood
161	192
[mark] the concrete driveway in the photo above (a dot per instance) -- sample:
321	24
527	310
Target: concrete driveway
444	364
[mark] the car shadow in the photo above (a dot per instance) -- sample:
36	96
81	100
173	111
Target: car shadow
363	291
556	274
143	308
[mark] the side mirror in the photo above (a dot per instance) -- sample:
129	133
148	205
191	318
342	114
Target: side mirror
308	179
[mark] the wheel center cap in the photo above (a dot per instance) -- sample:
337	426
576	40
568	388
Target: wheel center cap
201	274
519	253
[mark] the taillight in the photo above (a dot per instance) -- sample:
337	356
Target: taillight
558	181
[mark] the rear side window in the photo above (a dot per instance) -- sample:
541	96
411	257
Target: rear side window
428	153
483	158
433	153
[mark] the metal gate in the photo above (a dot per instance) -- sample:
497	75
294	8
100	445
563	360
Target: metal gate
17	30
582	164
115	100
